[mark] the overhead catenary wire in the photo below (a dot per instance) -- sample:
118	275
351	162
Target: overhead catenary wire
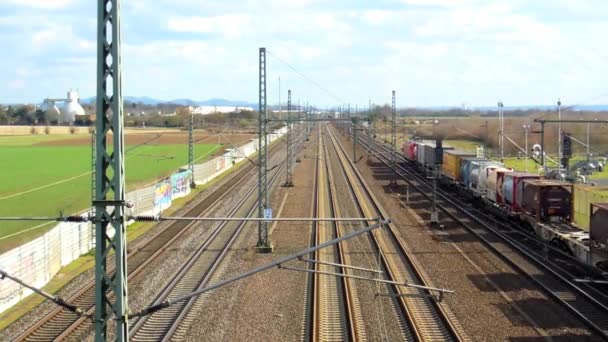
315	83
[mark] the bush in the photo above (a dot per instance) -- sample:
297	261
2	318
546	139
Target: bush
73	130
47	130
33	130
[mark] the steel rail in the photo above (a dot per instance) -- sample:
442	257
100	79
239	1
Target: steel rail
427	318
337	310
588	309
194	275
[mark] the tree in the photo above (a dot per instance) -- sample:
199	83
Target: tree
183	111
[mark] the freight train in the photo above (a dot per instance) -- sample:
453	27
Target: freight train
543	205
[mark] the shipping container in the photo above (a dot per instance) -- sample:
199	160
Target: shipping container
598	223
512	185
410	152
466	167
451	163
426	153
494	184
546	200
479	175
584	196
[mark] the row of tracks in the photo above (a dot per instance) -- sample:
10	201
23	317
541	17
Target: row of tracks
198	272
335	314
545	265
421	316
60	324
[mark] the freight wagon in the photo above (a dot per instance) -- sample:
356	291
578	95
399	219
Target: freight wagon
547	207
426	154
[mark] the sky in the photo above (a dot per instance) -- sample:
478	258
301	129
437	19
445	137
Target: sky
431	52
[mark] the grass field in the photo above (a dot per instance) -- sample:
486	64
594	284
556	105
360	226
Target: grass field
29	166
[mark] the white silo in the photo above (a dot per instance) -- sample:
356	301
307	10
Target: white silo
50	108
71	108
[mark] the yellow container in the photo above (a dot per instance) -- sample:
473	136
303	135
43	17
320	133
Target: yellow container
584	196
451	163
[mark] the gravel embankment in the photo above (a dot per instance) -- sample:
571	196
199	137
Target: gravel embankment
492	301
270	305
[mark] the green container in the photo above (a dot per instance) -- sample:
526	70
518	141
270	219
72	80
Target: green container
584	196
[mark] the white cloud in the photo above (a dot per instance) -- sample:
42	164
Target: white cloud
43	4
16	84
422	51
328	21
439	3
169	51
377	17
230	25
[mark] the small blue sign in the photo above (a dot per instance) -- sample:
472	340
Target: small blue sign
268	213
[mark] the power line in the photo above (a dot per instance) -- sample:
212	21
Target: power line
335	97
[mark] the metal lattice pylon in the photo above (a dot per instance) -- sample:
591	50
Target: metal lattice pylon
191	150
263	241
110	233
289	169
394	132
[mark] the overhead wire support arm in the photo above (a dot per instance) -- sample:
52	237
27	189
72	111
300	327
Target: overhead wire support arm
151	309
55	299
157	218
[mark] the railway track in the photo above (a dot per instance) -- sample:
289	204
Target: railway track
424	317
335	313
168	324
58	324
545	266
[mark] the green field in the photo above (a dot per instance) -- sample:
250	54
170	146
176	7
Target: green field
28	169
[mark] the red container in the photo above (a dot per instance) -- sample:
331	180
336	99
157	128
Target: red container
411	150
512	186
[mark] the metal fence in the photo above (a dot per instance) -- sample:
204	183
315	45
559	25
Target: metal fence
37	261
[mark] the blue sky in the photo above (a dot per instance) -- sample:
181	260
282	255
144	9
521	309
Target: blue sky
432	52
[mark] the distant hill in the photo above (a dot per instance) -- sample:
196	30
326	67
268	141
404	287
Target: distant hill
182	102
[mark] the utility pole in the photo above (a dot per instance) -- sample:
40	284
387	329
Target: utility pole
289	171
191	151
348	112
501	131
393	137
307	124
588	147
526	128
263	244
559	136
434	212
299	137
110	223
93	170
354	139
